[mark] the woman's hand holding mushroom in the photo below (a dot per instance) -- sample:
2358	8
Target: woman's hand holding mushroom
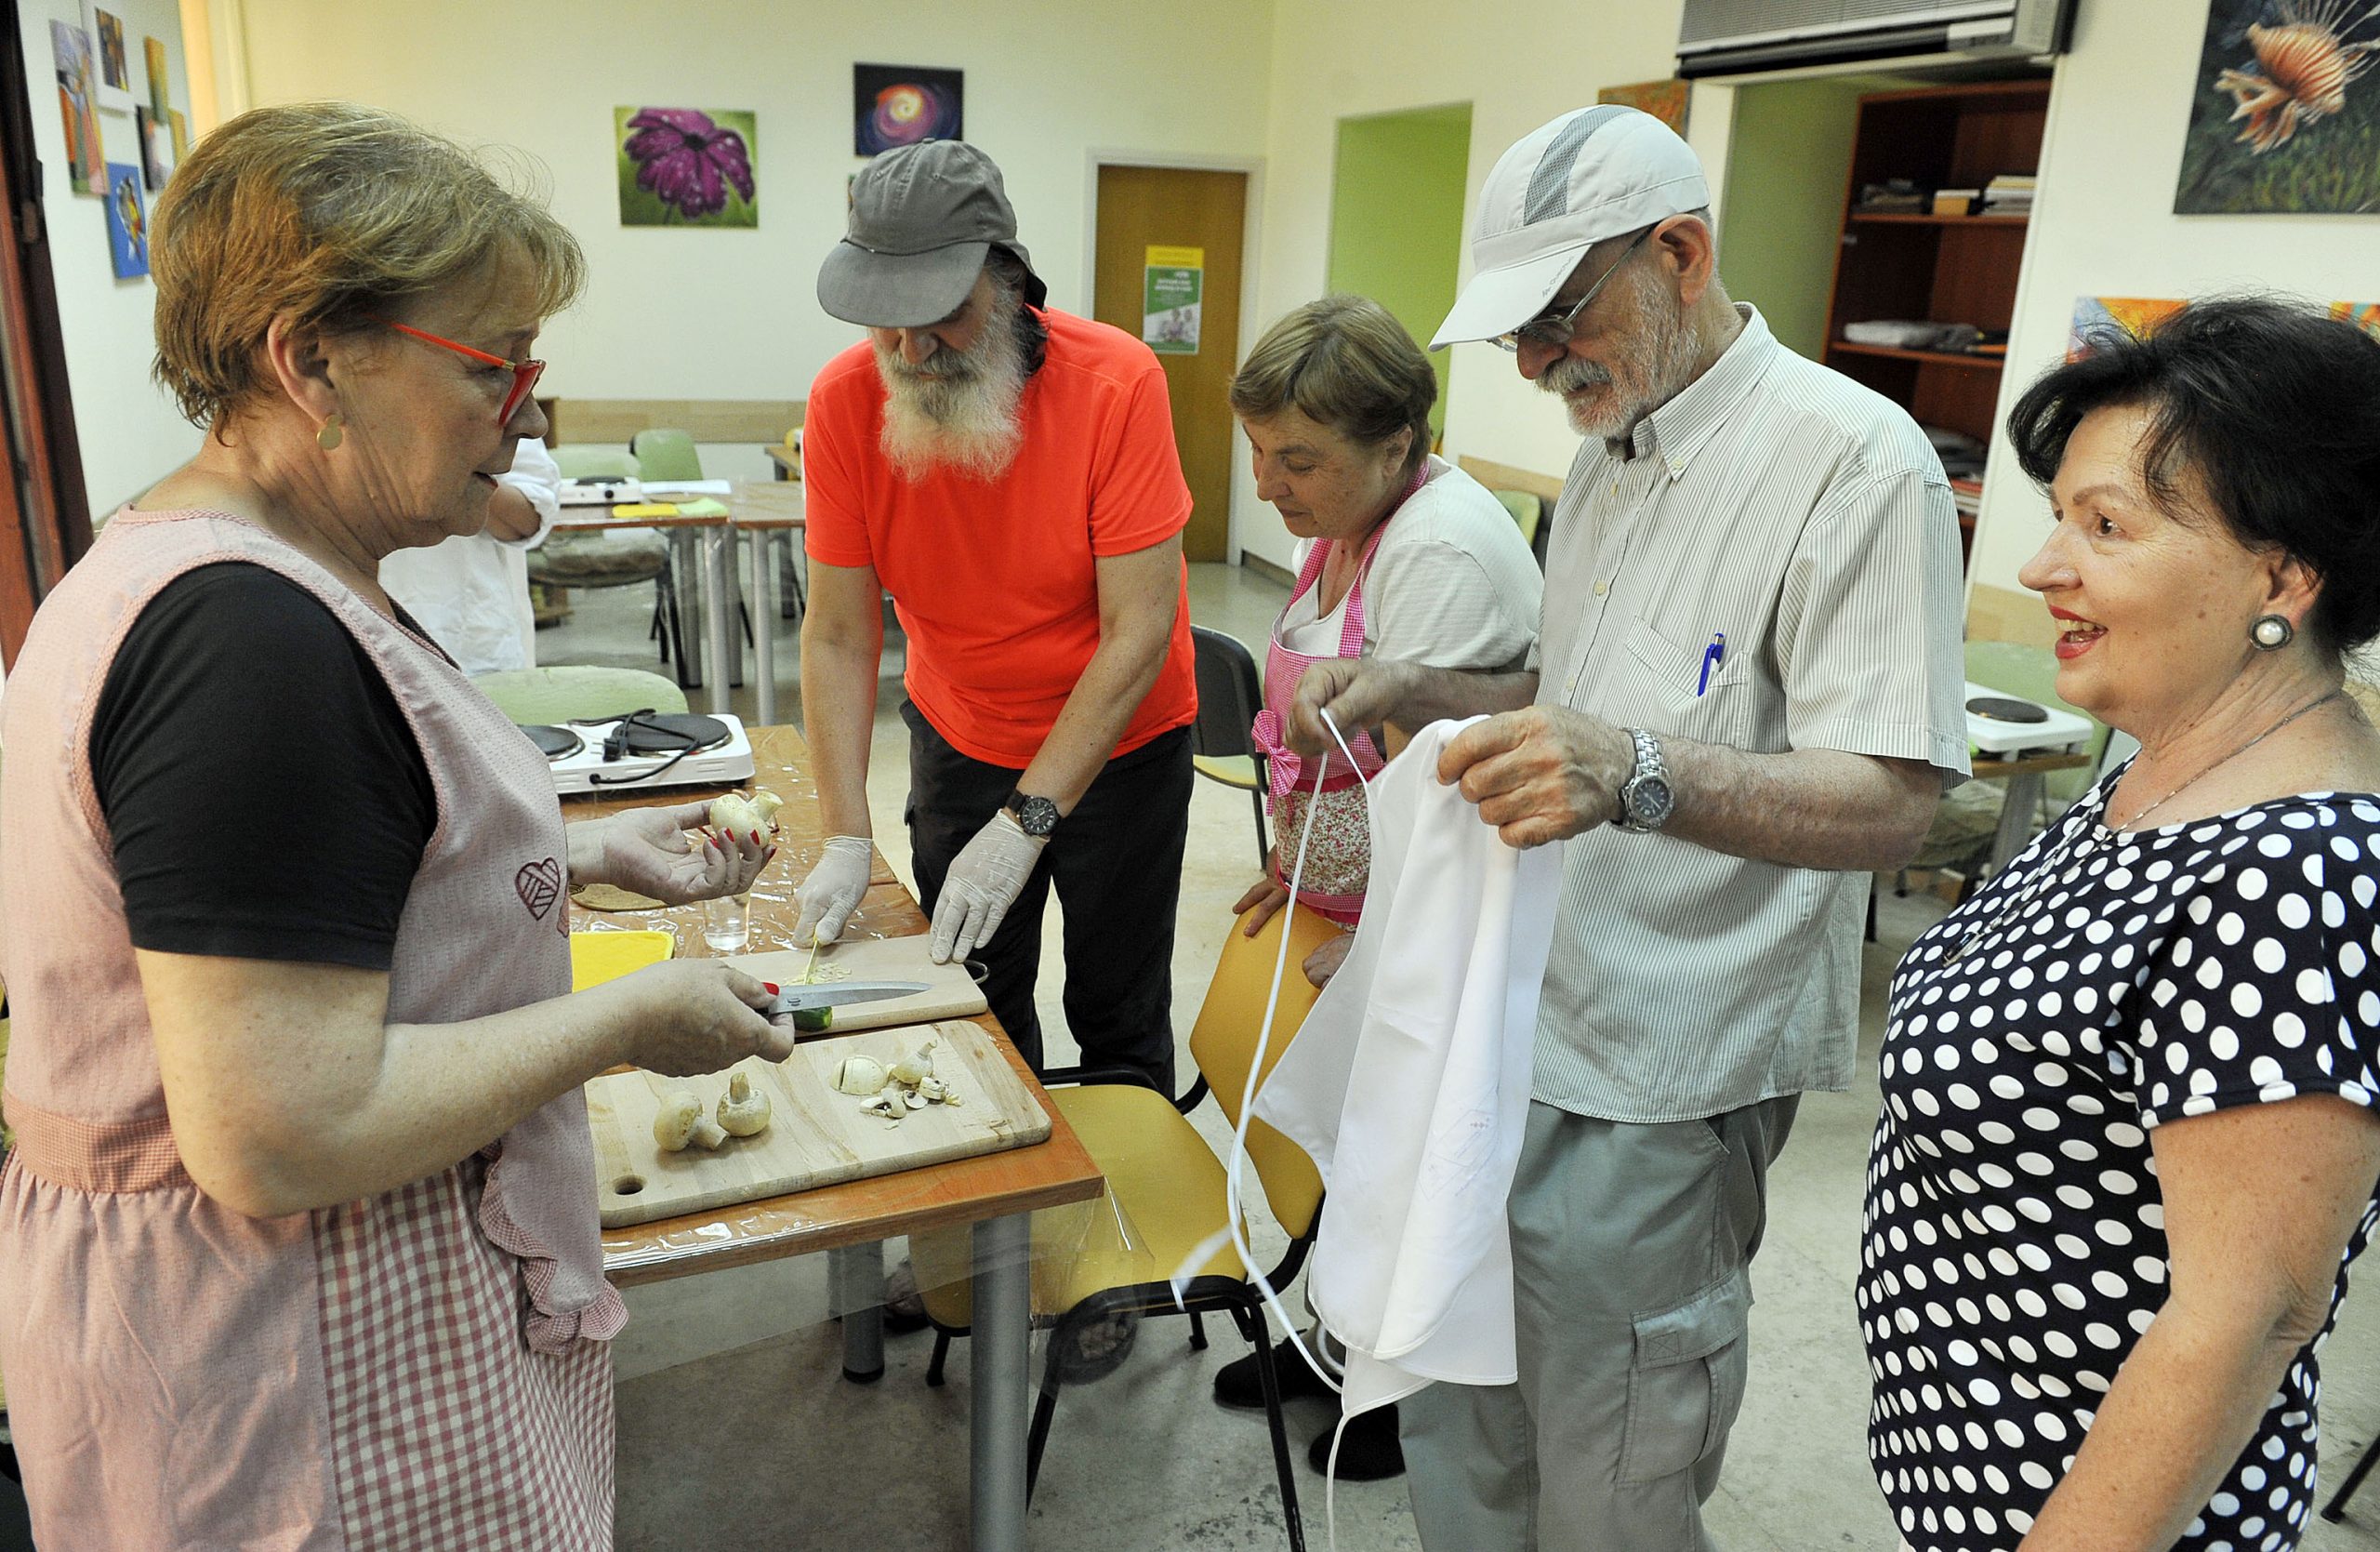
648	850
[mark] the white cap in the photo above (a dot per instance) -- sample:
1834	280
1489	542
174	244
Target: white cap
1593	173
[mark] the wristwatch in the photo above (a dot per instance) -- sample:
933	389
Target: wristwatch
1645	799
1035	816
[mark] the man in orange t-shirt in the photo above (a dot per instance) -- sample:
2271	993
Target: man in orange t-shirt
1007	472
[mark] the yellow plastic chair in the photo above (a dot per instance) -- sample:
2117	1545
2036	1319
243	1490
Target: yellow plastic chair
1169	1189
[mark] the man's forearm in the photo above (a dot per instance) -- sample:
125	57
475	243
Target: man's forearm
1101	705
1804	808
838	717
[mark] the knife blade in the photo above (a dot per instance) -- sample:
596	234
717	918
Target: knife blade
803	999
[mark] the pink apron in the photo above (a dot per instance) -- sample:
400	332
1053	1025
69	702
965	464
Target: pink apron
1339	857
421	1369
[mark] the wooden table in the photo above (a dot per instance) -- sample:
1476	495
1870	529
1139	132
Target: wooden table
995	1192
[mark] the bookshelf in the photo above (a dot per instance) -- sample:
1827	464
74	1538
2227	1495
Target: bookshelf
1939	268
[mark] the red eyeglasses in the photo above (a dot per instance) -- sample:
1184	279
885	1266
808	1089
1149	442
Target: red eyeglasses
525	372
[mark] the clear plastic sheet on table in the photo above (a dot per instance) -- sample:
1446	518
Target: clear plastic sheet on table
1072	1254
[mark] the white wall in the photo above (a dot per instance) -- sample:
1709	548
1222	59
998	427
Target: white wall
1517	66
733	315
2104	226
131	433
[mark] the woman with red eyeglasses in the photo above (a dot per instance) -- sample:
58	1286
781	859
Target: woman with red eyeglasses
299	1244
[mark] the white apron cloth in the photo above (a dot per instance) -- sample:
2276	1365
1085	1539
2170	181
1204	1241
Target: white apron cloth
1408	1085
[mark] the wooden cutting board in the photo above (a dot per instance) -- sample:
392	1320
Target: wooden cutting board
816	1137
954	993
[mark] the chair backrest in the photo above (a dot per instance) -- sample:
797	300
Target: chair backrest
2018	669
1223	1040
539	696
1229	694
665	453
1527	510
579	461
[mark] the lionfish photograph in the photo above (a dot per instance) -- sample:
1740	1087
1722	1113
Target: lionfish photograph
2279	122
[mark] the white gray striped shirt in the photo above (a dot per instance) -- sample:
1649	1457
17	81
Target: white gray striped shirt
1808	519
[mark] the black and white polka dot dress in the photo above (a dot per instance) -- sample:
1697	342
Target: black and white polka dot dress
2013	1245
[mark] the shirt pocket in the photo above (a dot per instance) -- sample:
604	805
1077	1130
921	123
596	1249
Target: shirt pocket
1668	688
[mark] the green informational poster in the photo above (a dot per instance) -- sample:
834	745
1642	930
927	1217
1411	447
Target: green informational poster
1170	293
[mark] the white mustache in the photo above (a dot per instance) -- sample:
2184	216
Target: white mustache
1571	373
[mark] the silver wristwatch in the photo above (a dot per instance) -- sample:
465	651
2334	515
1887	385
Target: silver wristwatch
1645	799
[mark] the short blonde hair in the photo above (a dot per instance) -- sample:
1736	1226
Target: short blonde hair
1346	363
329	213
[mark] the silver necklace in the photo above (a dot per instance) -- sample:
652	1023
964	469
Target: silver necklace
2043	873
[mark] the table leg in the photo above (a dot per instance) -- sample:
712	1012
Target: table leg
2017	812
718	623
764	626
694	589
998	1357
856	1274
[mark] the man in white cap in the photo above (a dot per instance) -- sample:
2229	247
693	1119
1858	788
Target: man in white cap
1008	474
1749	696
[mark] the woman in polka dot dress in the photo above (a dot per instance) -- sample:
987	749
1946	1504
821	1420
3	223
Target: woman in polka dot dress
2128	1148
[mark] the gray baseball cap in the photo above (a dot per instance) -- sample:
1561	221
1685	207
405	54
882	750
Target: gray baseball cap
923	219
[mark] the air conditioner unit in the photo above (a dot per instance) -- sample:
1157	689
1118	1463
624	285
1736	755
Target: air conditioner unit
1740	38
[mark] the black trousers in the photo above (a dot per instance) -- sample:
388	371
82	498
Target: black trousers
1116	862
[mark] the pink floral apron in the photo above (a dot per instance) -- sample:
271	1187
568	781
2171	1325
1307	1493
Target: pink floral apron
1339	857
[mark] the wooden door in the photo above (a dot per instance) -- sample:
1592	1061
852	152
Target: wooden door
1145	208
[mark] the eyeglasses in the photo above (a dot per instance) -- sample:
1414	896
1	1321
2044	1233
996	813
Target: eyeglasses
525	372
1555	332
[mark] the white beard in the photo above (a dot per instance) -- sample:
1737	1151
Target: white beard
1659	370
961	411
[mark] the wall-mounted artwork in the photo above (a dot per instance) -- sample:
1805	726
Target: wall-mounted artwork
686	167
127	222
115	69
2097	318
898	106
157	148
2283	117
155	49
2101	317
1664	99
86	168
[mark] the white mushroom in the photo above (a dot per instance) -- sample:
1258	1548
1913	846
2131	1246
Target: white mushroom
743	1111
918	1065
859	1075
673	1125
738	815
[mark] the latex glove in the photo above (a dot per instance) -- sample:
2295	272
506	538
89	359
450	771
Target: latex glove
834	889
984	880
646	849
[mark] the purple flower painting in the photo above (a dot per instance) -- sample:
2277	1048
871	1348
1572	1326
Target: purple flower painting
686	167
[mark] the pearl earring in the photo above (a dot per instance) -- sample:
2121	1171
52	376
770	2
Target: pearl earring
332	433
2271	633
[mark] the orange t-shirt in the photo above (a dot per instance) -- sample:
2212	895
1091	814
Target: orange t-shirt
994	581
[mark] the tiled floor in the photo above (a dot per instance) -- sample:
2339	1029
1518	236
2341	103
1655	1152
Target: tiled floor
736	1429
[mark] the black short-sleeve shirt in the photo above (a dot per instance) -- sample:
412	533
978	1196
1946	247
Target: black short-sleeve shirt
2014	1241
263	794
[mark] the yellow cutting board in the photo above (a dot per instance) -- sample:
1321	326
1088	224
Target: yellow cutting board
952	992
816	1137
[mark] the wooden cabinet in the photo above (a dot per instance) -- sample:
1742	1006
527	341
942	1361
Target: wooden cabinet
1936	269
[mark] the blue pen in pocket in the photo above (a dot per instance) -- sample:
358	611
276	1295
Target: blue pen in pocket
1713	656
